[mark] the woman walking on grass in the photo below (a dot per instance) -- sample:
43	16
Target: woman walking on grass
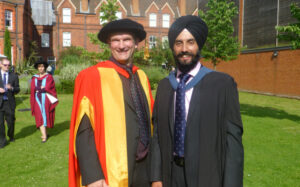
43	99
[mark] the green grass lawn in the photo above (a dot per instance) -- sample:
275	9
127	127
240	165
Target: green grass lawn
271	141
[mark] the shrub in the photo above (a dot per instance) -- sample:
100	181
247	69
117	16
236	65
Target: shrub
65	87
155	74
25	66
7	44
24	83
77	55
67	77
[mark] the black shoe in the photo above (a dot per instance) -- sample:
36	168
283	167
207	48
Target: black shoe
12	140
5	144
44	141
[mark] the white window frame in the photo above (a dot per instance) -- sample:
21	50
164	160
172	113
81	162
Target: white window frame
119	15
166	21
67	39
152	20
66	14
9	18
45	40
152	41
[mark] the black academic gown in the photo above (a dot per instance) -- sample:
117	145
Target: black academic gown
213	141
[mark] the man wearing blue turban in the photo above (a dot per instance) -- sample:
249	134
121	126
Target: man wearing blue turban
197	139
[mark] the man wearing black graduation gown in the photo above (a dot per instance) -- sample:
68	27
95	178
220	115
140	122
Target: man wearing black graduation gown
211	152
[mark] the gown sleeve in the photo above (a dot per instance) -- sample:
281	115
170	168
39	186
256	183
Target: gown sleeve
234	162
87	156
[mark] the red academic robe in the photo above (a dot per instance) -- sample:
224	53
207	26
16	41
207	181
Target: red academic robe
95	87
44	110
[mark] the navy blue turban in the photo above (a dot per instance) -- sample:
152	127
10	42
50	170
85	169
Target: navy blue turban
194	24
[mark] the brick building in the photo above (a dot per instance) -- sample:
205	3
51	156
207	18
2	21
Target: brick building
58	24
16	16
76	18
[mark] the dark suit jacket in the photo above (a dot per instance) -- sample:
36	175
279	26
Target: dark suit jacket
13	80
213	141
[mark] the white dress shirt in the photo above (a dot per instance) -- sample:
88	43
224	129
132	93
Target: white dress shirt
3	73
188	93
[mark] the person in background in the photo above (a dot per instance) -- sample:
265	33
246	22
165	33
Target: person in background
9	86
112	106
43	99
197	140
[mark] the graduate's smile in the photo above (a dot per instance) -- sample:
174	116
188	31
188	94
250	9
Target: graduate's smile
122	47
185	47
185	58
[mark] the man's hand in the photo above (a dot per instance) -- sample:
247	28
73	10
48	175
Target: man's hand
8	86
2	90
99	183
157	184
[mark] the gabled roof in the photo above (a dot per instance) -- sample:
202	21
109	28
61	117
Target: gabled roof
14	1
191	5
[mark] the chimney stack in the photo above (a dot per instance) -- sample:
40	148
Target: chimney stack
135	7
182	7
84	5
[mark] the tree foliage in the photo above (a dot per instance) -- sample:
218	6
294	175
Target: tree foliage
161	54
220	44
107	14
26	66
291	32
7	45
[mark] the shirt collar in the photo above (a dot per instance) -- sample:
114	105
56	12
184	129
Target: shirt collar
123	66
2	72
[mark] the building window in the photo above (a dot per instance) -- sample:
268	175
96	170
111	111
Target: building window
45	42
165	42
166	21
8	19
152	20
66	39
66	15
118	14
152	41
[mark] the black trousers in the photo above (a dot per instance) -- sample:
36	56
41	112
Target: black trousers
6	114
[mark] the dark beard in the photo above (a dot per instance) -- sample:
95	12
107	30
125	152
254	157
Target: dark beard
185	68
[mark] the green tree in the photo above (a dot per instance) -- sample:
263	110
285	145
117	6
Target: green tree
107	14
220	44
161	54
7	45
291	32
